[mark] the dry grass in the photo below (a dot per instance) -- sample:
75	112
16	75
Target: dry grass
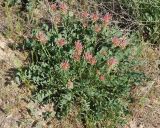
146	106
10	94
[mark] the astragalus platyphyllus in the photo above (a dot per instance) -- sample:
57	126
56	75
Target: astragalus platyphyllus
84	15
93	61
77	51
94	17
65	65
60	42
54	6
116	41
42	37
89	58
63	7
119	42
102	77
78	47
107	18
112	62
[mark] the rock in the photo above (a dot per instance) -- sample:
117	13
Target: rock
0	102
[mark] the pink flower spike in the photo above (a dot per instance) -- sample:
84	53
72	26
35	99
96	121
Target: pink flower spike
63	7
94	17
54	7
112	61
42	37
93	61
88	56
65	65
84	14
78	47
107	18
116	41
61	42
101	77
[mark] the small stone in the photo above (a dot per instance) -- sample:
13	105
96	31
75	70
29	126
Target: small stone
3	45
0	102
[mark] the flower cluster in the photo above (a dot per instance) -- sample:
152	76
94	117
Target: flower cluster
62	6
112	62
102	77
42	37
54	7
77	51
89	58
107	18
84	14
65	65
60	42
121	42
83	58
95	17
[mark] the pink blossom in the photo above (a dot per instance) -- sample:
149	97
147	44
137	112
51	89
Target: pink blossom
89	58
116	41
101	77
78	50
42	37
94	17
54	7
65	65
107	19
61	42
63	7
121	42
112	61
78	47
84	14
93	61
